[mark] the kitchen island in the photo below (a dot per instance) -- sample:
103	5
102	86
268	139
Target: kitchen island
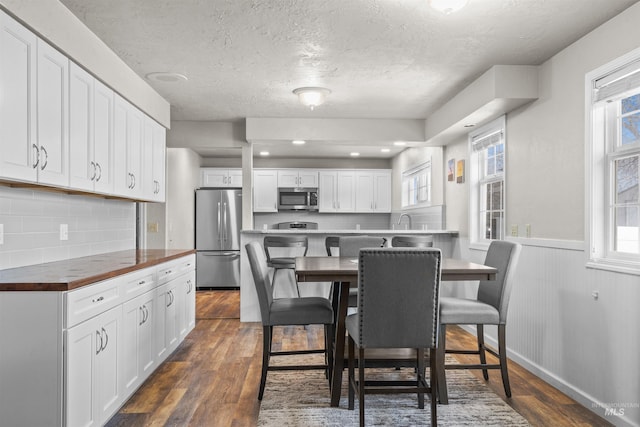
249	308
79	336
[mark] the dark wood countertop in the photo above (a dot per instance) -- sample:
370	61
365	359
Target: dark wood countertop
74	273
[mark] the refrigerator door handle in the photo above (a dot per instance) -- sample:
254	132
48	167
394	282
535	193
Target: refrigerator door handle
234	254
225	221
219	224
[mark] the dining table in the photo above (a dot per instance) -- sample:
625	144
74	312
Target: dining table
344	272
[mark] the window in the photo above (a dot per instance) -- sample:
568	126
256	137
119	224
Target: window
487	181
613	96
416	185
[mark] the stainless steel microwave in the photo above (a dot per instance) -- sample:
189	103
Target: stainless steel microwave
297	199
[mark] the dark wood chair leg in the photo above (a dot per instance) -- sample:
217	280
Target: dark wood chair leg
433	380
420	375
267	332
481	350
441	390
352	380
502	351
361	363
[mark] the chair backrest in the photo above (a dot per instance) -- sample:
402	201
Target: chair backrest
412	241
260	272
351	245
398	297
503	256
293	241
331	242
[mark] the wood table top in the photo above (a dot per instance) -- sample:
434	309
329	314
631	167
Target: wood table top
73	273
332	268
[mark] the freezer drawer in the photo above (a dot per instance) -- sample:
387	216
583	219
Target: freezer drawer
218	269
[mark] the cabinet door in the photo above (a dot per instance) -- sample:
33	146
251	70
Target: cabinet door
53	107
166	325
345	191
18	145
82	168
120	171
364	191
159	162
288	178
265	190
147	182
308	178
214	177
135	124
103	147
382	191
327	191
235	177
92	384
138	353
187	305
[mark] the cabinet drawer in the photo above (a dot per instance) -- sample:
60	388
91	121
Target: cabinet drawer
137	283
89	301
168	271
187	264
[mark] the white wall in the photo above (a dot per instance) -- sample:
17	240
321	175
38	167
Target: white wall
587	347
32	219
183	177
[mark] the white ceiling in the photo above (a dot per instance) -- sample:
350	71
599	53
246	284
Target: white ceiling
380	58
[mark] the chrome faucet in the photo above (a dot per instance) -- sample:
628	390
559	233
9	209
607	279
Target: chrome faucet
408	216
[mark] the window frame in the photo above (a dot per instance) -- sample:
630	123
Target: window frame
603	148
477	180
410	174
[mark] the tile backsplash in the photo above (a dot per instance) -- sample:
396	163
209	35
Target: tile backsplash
31	221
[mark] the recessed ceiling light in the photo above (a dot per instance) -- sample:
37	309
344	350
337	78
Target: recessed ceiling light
167	77
354	154
385	150
469	125
399	143
264	153
298	142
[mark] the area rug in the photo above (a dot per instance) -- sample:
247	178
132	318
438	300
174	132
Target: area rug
301	398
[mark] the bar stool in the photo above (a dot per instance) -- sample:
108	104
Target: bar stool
284	262
412	241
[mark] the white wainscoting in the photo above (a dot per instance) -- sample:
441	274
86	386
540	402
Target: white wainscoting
585	346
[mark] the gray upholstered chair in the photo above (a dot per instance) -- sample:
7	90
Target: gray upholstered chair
489	308
284	262
350	246
412	241
398	292
285	312
330	243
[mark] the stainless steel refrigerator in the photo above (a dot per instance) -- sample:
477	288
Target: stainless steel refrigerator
218	223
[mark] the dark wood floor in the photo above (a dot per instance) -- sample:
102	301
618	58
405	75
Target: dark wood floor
212	378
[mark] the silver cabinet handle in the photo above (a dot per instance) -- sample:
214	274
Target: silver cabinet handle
98	299
98	347
142	282
134	181
99	172
46	157
142	314
37	156
106	340
93	166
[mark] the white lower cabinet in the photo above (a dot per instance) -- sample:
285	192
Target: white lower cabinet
77	356
138	341
92	365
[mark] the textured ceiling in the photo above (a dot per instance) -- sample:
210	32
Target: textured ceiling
380	58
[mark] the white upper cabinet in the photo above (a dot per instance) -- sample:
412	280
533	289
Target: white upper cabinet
220	177
298	178
265	190
82	167
153	164
53	110
18	145
127	132
336	191
373	191
90	133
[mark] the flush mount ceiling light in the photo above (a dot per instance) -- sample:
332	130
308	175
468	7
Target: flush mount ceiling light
399	143
447	6
264	153
355	154
385	150
298	142
311	96
166	77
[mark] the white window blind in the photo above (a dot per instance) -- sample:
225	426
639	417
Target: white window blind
618	82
